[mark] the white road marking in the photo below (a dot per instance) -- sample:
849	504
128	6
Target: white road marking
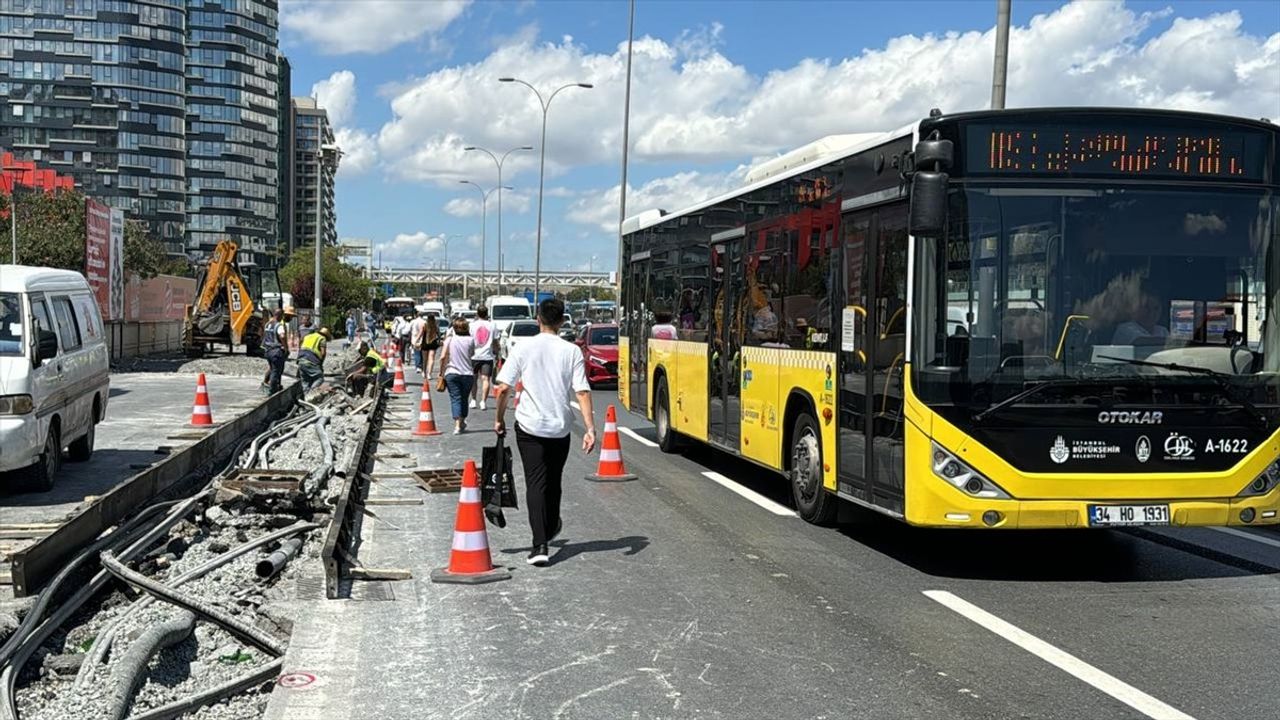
635	436
1248	536
751	495
1116	688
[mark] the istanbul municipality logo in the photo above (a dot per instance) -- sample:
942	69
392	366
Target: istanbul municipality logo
1143	449
1060	453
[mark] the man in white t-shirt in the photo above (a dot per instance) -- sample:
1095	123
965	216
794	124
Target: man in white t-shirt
483	332
550	371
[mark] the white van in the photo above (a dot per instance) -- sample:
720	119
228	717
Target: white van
54	370
505	309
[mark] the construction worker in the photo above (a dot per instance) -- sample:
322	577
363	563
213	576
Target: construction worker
275	347
369	367
311	358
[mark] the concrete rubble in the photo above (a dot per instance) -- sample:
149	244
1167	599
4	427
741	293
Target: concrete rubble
85	671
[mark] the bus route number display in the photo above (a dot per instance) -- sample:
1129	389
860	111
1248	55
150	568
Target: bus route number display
1099	150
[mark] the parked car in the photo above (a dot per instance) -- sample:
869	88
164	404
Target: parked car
599	343
54	371
515	332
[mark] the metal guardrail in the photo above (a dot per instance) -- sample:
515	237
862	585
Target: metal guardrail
33	565
340	536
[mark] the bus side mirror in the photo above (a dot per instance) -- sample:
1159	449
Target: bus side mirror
928	210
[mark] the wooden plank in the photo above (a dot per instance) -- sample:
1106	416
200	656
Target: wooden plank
392	501
367	573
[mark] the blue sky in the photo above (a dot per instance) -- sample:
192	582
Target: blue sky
717	86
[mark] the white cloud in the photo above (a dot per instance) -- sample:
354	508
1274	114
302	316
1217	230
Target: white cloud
337	95
691	103
409	249
512	202
338	27
669	193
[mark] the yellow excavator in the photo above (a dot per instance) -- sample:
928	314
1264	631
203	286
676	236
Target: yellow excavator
228	296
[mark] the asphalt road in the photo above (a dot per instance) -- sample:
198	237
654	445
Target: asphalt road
678	596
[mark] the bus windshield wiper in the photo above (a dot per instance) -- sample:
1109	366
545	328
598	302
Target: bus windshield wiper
1221	379
1019	397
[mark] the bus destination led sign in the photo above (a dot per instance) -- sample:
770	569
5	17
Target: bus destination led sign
1097	150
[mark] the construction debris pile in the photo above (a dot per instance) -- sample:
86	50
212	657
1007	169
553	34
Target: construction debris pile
189	621
341	357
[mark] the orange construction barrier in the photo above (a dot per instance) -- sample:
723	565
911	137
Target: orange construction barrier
611	468
469	561
201	412
426	416
398	387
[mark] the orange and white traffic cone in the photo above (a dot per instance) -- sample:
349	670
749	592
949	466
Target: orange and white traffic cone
469	561
426	416
398	387
611	468
201	412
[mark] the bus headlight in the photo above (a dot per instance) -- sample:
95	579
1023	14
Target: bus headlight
953	470
15	404
1264	483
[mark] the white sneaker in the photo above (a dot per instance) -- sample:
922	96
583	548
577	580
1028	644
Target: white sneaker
472	404
482	407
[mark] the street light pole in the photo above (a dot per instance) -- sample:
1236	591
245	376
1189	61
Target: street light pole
13	210
498	163
484	214
542	172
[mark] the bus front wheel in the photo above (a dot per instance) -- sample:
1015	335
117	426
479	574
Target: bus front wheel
668	442
813	503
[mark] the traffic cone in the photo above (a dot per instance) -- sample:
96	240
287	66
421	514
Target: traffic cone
469	561
398	387
201	412
426	417
611	468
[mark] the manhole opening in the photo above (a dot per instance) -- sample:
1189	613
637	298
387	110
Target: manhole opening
438	481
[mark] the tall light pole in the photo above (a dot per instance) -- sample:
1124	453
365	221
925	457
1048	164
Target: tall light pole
1000	71
329	155
12	180
498	163
591	290
542	168
484	214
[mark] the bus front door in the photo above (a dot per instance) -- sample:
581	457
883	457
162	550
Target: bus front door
725	354
640	316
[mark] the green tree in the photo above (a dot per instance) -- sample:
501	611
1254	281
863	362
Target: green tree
51	233
344	286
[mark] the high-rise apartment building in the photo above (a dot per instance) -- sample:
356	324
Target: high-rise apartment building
315	163
233	116
96	90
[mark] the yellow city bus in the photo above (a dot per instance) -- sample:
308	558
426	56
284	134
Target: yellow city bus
1045	318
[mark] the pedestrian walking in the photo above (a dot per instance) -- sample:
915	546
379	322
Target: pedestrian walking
550	371
275	346
417	335
430	344
455	368
311	358
400	331
351	327
371	325
482	361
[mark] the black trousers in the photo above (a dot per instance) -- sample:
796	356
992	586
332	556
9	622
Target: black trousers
543	460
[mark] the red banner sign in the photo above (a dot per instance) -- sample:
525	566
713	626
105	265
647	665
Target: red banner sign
97	253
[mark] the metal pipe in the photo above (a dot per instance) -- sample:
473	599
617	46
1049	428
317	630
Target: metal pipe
240	629
1000	73
102	644
275	562
626	146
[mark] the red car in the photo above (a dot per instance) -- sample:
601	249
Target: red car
599	343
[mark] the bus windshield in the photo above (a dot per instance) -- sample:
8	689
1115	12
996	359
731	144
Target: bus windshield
1110	287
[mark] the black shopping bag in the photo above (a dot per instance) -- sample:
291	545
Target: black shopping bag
498	486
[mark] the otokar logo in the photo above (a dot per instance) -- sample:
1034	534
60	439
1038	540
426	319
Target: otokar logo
1143	449
1060	453
1131	417
1179	447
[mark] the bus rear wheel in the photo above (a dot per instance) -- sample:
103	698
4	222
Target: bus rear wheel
668	441
813	503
